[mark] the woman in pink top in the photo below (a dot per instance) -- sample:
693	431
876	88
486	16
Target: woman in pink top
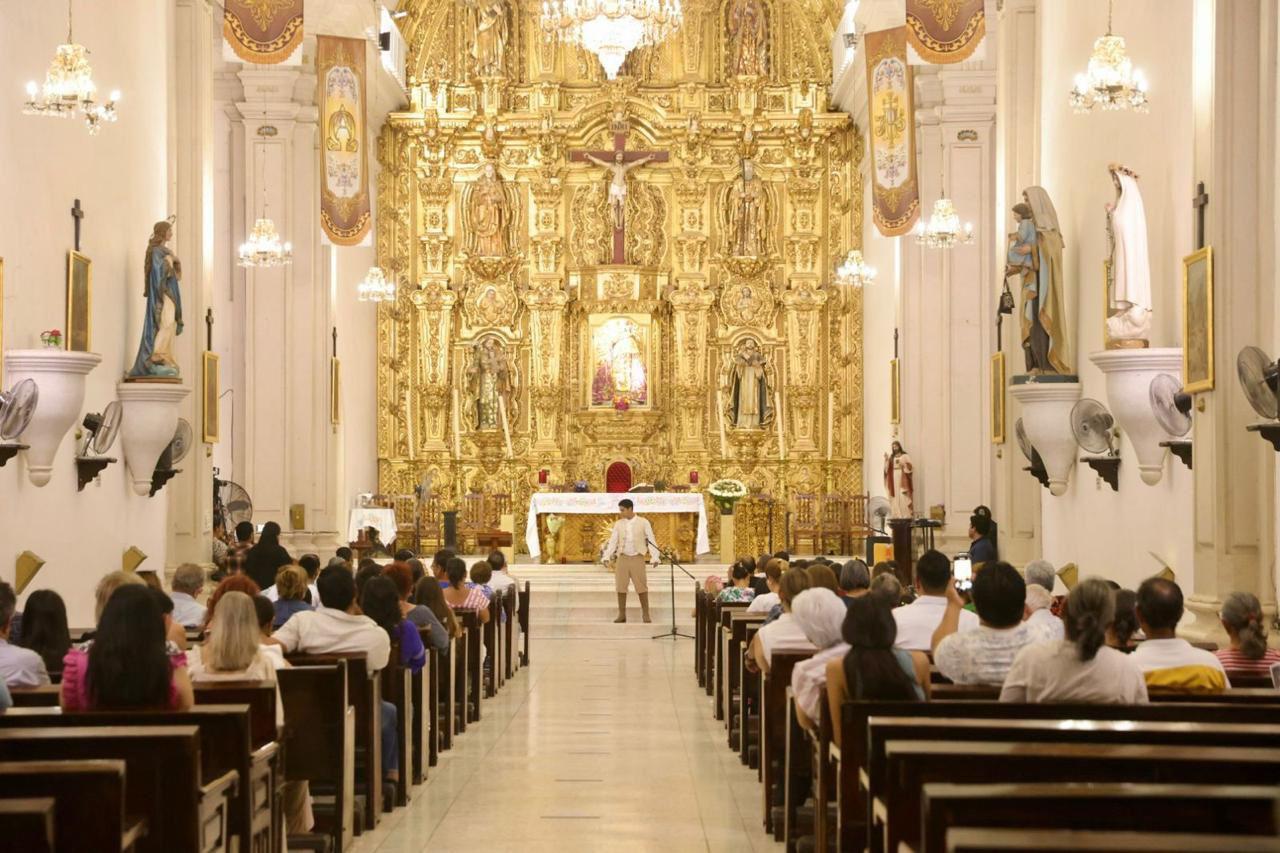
461	597
128	664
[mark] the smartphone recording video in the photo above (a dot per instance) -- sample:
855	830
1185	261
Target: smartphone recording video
963	567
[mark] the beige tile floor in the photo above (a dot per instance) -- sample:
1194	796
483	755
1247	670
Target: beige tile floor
598	745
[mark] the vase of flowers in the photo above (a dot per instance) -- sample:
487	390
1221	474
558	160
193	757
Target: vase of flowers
52	339
621	404
727	492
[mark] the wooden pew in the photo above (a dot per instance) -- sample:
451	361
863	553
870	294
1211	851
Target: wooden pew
737	639
365	694
493	646
724	616
1224	809
1234	696
425	722
226	745
259	696
446	693
89	799
473	665
510	606
35	697
699	636
748	714
911	764
774	725
163	778
524	623
397	688
26	825
964	840
320	736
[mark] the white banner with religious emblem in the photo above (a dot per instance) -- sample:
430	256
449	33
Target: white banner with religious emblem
895	202
345	210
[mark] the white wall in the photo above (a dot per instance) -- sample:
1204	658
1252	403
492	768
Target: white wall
121	178
1106	532
879	319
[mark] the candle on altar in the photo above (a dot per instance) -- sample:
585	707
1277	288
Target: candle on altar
506	430
831	410
724	451
777	421
408	420
457	426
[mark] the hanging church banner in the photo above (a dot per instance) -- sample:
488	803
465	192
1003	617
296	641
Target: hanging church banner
945	31
264	32
344	174
895	191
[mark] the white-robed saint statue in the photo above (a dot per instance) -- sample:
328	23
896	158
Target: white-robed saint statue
1130	299
899	482
162	273
749	389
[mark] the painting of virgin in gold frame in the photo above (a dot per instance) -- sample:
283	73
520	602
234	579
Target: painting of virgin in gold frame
619	357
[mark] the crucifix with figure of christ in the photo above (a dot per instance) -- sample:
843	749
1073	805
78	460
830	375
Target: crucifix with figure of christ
618	161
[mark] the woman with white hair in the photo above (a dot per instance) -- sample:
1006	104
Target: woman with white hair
819	613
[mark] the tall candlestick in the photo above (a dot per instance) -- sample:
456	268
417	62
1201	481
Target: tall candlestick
457	426
720	415
831	410
777	422
408	421
506	430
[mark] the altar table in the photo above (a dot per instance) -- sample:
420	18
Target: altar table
382	519
679	521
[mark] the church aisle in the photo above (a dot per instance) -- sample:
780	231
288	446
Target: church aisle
598	745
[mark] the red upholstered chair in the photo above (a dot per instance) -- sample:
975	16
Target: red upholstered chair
617	477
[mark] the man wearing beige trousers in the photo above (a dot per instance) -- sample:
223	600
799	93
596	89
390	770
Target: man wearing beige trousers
631	540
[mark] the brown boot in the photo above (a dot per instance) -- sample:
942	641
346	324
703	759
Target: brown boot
644	606
622	608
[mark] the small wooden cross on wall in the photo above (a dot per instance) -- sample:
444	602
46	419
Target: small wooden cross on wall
208	329
77	213
1200	202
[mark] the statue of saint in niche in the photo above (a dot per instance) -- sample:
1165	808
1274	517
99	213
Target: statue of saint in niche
1129	302
749	391
488	214
748	39
490	377
747	215
491	35
162	272
1035	257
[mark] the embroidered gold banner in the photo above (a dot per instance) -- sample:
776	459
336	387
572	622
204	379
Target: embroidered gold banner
945	31
344	136
895	200
264	32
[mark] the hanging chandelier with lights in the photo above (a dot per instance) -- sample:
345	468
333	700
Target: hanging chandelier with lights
69	88
944	230
611	29
376	287
264	248
1111	82
854	271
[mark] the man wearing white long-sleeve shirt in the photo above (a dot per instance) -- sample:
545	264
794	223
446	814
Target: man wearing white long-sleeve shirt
632	537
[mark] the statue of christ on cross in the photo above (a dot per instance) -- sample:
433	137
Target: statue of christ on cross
618	162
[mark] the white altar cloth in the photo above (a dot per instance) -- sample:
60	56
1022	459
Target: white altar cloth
382	519
606	503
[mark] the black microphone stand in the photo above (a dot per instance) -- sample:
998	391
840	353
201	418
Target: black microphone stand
670	556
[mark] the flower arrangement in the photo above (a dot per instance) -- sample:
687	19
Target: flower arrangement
51	338
727	492
621	403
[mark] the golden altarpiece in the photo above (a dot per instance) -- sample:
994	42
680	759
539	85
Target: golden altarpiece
635	270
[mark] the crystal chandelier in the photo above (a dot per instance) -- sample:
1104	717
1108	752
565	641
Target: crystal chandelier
944	229
611	29
264	249
1111	81
69	87
376	287
854	271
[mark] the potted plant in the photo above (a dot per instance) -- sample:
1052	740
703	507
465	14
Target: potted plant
727	492
52	338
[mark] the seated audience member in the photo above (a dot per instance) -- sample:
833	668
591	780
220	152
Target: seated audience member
461	597
150	578
188	581
344	554
440	565
428	593
107	587
45	630
336	626
502	579
984	655
759	578
885	567
820	575
266	613
231	583
218	549
1041	574
417	571
1039	612
820	614
764	602
1081	667
1167	661
290	586
19	667
266	556
381	603
739	588
1246	625
310	563
128	665
888	589
419	615
404	555
784	632
873	669
981	549
173	632
238	552
368	570
855	580
1121	631
481	573
918	620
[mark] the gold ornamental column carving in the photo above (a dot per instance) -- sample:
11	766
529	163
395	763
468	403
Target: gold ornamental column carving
546	301
434	303
804	302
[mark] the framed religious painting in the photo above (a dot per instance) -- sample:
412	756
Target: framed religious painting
997	398
1197	321
335	391
895	394
210	415
620	359
79	301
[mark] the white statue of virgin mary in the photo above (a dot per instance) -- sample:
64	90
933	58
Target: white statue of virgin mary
1130	299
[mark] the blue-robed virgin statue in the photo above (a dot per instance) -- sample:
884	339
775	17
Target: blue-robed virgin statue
163	273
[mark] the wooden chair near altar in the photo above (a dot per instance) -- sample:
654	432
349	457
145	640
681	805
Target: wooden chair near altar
833	523
472	518
806	523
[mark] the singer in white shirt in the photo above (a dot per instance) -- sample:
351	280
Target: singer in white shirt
632	536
